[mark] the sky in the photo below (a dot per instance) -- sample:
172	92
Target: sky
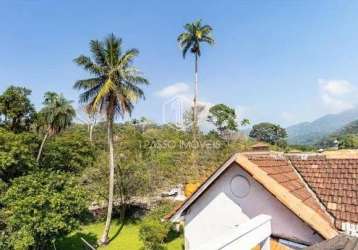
278	61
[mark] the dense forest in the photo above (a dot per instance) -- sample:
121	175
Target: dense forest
52	169
55	163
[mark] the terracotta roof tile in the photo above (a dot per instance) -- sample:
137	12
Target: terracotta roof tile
280	169
328	186
333	181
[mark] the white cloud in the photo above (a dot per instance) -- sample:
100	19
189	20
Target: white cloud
174	90
336	104
337	95
335	87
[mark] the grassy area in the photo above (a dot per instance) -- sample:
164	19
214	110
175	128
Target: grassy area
122	237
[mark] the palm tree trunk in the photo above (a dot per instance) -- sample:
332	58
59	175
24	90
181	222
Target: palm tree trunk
104	239
41	147
91	132
195	112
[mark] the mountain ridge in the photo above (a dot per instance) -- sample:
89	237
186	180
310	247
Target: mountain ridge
309	133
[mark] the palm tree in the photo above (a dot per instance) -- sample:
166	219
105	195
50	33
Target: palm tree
112	90
195	33
55	116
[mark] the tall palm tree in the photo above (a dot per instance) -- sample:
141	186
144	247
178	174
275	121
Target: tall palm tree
112	90
55	116
195	33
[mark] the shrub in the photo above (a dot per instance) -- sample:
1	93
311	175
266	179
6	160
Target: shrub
153	232
40	207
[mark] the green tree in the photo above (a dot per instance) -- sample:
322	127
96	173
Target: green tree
41	207
194	35
153	230
113	90
223	118
268	132
56	115
17	154
16	109
348	141
71	152
245	122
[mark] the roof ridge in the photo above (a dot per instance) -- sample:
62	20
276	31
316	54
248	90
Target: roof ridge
311	217
314	194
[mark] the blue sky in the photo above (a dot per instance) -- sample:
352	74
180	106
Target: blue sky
281	61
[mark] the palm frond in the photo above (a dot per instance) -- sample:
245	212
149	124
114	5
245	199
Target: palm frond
209	40
87	83
57	112
184	38
128	57
104	91
186	48
115	88
112	49
88	65
188	27
124	104
89	94
134	76
194	34
206	29
97	49
133	92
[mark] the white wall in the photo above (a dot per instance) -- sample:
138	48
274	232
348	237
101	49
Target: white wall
218	210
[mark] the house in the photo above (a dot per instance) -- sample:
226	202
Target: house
306	198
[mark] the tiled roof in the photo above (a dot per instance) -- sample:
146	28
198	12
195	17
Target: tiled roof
327	186
280	169
335	182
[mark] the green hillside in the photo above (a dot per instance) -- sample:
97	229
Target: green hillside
347	137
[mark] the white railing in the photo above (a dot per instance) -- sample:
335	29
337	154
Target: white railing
245	236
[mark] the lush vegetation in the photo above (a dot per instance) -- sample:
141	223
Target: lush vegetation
112	90
17	117
40	207
270	133
224	119
154	232
344	138
41	198
122	236
44	200
53	170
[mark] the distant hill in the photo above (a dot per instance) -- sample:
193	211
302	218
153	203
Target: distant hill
309	133
346	136
350	128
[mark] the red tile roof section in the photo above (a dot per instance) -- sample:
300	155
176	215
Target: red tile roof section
335	182
280	169
328	186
